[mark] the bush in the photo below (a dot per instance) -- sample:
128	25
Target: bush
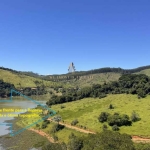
74	122
102	95
55	138
119	120
47	121
141	93
62	106
37	125
108	140
111	106
135	117
57	127
104	127
44	125
115	128
103	117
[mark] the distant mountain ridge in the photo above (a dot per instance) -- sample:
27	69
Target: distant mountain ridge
94	71
79	75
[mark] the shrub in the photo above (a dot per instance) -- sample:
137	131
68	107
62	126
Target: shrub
119	120
111	106
115	128
103	117
55	138
47	121
102	95
37	125
57	127
44	125
104	127
74	122
62	106
135	117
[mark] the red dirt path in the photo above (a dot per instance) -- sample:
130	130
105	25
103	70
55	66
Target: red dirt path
135	139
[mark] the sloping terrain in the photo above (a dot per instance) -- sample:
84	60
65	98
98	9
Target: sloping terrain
20	80
27	79
99	78
146	71
87	110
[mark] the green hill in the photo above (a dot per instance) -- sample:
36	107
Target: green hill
99	78
82	78
21	80
87	110
146	71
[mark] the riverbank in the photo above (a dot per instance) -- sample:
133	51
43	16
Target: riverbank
23	141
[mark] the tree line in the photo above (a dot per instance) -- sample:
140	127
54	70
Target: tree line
127	83
5	90
77	74
107	140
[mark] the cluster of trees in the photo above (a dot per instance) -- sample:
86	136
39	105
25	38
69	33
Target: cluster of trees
40	90
44	124
116	120
107	140
5	89
128	83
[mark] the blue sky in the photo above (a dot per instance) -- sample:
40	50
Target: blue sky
45	36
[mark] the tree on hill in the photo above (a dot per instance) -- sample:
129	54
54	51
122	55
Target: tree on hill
55	146
127	83
108	140
135	117
75	143
103	117
57	119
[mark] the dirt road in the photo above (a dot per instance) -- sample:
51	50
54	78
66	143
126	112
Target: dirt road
73	127
43	134
135	139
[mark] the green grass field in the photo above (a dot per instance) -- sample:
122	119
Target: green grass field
21	80
63	135
88	110
146	71
98	78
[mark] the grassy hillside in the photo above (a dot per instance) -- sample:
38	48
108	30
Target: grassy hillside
146	71
21	80
88	110
99	78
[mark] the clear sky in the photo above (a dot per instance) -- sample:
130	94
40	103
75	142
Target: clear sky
45	36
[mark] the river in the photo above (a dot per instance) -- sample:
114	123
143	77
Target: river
15	104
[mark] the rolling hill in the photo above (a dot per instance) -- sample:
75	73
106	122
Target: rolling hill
21	80
82	78
145	71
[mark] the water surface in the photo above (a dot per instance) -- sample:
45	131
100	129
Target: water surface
22	104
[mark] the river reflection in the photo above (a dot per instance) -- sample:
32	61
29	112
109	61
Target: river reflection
22	104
